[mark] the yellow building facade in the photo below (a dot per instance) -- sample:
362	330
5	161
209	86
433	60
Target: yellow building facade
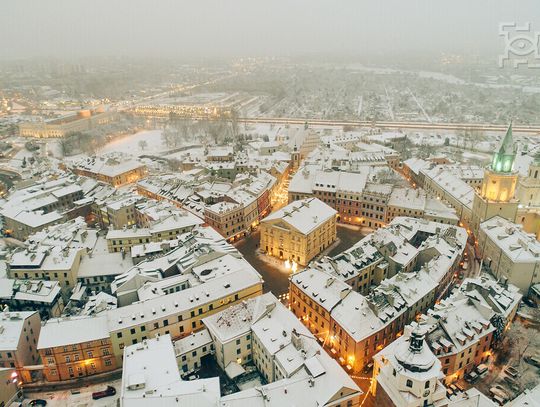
300	231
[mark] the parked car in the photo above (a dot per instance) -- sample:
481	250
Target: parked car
529	302
533	360
498	400
454	388
109	391
368	367
511	380
472	377
38	402
499	392
482	370
511	371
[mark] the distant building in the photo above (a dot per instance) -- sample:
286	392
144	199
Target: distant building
112	171
299	231
83	120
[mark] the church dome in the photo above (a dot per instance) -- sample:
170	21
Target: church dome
413	355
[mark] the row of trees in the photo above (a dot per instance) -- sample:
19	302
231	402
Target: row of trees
224	130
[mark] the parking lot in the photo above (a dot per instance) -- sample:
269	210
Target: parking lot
80	397
509	373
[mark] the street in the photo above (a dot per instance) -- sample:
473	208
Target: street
276	277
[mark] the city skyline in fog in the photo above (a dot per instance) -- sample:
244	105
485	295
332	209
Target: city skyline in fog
212	28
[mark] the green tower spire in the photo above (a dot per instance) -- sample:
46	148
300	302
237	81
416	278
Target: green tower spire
503	160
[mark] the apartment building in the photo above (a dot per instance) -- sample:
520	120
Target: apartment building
57	263
355	327
33	295
360	200
176	223
75	347
510	254
193	350
19	333
227	218
34	208
262	331
180	313
405	245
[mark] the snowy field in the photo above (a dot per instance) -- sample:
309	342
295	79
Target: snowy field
130	144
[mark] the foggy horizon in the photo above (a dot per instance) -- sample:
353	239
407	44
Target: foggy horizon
215	29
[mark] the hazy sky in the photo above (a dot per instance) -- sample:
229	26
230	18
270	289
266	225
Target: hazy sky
176	28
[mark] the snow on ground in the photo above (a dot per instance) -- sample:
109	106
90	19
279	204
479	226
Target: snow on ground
478	156
66	398
130	144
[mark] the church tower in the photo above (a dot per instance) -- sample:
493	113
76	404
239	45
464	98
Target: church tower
528	191
407	374
497	192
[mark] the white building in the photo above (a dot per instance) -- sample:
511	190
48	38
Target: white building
150	376
511	254
406	374
192	349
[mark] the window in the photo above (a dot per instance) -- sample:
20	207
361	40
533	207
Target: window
426	386
409	383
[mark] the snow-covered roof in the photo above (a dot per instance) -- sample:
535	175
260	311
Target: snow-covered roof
11	328
150	375
74	330
304	215
519	246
